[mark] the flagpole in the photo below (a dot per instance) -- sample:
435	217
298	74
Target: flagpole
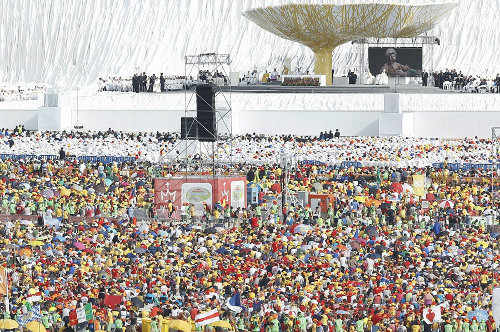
7	302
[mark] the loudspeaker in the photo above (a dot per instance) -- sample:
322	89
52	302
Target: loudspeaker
205	113
205	97
189	128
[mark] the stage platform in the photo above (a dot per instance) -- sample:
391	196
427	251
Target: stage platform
353	88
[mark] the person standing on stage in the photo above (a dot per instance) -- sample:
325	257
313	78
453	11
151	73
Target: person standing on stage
144	80
152	80
425	77
162	83
135	83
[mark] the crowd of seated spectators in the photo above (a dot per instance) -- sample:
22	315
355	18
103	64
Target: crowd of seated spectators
329	135
121	84
254	77
20	93
142	82
218	78
453	80
250	78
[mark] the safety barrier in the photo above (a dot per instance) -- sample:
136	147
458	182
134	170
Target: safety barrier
342	165
100	159
466	166
451	166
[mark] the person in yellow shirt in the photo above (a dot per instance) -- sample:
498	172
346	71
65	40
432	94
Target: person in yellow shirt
484	281
415	326
59	213
265	77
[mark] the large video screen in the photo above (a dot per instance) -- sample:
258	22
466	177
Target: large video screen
395	61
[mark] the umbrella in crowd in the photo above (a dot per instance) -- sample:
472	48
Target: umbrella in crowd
303	229
181	325
480	315
137	302
35	326
222	324
446	204
397	187
8	324
79	245
48	193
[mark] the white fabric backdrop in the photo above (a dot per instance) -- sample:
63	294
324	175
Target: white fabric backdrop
73	42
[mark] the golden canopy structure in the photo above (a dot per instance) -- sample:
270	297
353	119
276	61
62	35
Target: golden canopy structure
322	25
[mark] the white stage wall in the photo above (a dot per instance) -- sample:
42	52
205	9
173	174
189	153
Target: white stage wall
306	123
451	102
422	124
12	118
428	115
131	120
455	124
413	102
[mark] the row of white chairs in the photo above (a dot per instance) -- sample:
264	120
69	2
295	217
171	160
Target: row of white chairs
474	86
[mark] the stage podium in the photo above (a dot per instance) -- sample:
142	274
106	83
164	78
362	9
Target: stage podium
50	115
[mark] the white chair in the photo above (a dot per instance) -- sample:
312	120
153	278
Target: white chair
447	85
472	86
382	79
369	79
483	88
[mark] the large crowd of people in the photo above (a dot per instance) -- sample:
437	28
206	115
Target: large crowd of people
377	256
253	148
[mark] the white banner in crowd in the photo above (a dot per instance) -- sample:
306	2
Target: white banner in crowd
80	315
433	314
49	221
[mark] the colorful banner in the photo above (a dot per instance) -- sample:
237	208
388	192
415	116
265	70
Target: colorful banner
197	194
432	315
238	194
30	314
206	318
178	191
84	314
80	315
89	311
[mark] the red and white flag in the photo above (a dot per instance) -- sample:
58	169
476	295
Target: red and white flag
35	297
207	317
